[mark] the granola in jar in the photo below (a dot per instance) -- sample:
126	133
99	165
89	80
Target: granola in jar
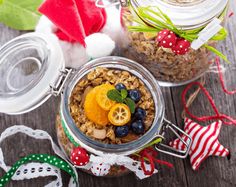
143	22
105	128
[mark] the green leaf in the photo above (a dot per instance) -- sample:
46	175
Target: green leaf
123	93
218	53
221	35
20	14
115	95
131	104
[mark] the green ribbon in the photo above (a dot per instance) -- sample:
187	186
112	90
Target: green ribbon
72	140
43	158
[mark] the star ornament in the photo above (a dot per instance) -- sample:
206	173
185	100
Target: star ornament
205	142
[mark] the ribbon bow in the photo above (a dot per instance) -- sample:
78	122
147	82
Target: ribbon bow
107	160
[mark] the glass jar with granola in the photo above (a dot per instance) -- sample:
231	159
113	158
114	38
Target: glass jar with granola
111	108
173	39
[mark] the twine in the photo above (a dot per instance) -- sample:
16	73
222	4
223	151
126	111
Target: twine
218	116
193	96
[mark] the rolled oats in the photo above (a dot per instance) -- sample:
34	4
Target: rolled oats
101	76
162	62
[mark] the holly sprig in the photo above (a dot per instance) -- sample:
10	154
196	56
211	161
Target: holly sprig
152	19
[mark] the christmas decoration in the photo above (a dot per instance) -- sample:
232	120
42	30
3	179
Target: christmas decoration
105	161
166	38
100	169
205	142
217	116
151	155
181	47
72	18
85	31
79	156
36	165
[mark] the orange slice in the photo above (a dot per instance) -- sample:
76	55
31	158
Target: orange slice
93	111
119	114
103	101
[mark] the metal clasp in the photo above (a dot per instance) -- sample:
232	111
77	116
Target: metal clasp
167	125
59	85
123	3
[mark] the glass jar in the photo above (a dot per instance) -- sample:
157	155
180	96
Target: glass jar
169	68
51	78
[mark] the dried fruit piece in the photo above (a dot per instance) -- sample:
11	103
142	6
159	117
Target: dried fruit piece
103	101
119	114
99	133
93	111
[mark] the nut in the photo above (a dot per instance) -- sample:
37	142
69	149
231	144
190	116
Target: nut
101	76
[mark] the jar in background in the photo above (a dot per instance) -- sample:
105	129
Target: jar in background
171	69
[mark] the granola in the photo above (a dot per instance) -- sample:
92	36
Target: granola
162	62
100	76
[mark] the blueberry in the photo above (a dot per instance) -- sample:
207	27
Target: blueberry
135	95
122	131
120	86
140	113
137	127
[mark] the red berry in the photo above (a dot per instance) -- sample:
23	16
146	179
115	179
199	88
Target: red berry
182	46
162	34
79	156
166	38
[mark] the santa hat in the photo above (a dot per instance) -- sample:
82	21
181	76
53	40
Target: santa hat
77	24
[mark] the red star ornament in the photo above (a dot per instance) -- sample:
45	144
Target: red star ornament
205	142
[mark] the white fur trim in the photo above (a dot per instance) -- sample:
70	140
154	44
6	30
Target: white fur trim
45	25
75	54
99	45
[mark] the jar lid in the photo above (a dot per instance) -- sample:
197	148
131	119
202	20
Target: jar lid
187	14
29	65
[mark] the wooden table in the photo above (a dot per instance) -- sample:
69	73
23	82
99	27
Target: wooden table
213	172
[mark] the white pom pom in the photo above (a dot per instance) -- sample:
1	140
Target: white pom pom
100	169
99	45
74	54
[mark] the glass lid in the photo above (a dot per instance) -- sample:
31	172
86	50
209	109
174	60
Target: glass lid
183	2
29	64
187	14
